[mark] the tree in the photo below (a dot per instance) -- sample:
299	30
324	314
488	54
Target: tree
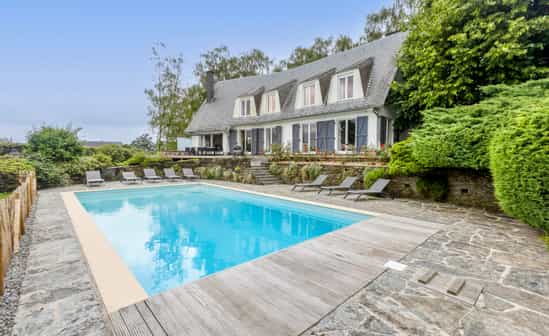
342	43
225	66
302	55
54	144
456	46
166	96
390	19
143	142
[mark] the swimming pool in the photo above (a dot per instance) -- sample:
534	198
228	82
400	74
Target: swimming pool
172	235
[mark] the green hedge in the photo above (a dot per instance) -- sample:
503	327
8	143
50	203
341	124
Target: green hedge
459	137
519	160
13	165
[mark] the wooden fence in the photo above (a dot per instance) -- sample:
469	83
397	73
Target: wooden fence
14	210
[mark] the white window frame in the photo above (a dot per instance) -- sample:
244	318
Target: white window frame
307	101
338	130
309	125
245	107
346	93
270	98
270	138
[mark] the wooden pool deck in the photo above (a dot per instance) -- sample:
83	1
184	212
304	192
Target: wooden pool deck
283	293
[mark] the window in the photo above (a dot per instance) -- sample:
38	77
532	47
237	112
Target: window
345	87
246	140
308	137
245	107
309	94
347	133
271	102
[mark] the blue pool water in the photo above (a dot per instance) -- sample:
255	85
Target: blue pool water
172	235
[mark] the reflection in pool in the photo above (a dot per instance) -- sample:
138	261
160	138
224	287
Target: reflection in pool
175	234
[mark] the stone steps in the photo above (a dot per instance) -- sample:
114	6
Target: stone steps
262	175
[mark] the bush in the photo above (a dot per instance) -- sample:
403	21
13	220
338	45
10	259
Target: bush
290	173
16	166
371	175
279	153
519	162
54	144
275	169
433	186
79	167
49	174
310	171
402	161
117	153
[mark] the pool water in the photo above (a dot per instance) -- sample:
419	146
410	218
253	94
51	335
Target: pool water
172	235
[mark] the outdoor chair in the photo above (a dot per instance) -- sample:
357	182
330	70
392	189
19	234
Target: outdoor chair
129	177
189	174
93	178
375	190
150	175
343	186
316	184
170	174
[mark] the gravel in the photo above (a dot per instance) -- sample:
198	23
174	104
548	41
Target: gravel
14	279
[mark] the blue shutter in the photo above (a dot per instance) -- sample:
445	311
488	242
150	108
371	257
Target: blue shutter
295	138
260	141
330	137
362	133
232	140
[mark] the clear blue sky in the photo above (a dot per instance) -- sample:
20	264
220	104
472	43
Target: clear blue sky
87	62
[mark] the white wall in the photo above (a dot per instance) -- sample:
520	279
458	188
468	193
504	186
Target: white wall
334	82
195	140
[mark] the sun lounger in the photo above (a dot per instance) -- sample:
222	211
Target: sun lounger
317	183
93	178
343	186
170	174
150	175
129	177
189	174
376	189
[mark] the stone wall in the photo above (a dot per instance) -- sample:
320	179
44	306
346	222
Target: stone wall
114	173
8	182
465	187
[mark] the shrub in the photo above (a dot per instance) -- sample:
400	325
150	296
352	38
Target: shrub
310	171
12	165
54	144
519	162
275	169
291	172
117	153
402	161
49	174
279	153
371	175
85	163
433	186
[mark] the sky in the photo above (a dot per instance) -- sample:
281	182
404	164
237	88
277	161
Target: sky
87	63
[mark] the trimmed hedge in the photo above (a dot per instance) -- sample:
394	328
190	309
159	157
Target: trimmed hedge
519	160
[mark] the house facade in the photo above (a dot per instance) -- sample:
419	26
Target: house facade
336	104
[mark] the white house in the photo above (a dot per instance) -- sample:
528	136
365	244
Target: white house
336	104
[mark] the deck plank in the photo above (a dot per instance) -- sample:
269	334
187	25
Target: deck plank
134	321
283	293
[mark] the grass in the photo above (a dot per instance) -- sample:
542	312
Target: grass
4	195
545	238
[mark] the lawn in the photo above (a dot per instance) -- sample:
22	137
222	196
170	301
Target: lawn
4	195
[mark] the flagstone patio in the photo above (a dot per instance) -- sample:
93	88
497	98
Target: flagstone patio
507	258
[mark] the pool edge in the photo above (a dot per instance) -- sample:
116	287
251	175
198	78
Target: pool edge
115	282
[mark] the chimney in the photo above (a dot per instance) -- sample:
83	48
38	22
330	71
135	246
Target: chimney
209	84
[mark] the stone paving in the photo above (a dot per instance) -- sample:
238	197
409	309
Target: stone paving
507	258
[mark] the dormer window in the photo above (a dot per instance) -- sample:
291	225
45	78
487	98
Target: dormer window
345	86
309	94
245	107
271	102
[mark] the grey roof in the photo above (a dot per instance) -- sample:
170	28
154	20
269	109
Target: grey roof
218	115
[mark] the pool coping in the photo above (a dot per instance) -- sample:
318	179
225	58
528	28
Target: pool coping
116	283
